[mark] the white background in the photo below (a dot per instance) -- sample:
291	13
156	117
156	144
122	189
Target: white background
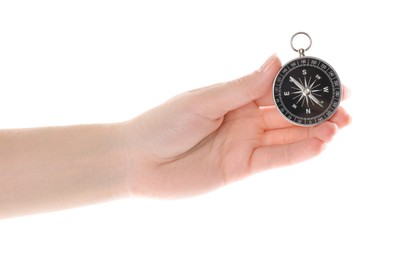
77	62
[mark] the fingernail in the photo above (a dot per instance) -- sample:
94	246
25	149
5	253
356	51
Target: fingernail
268	63
349	93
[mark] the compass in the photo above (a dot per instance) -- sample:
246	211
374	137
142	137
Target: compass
307	90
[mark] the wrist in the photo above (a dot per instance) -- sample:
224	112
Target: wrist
129	156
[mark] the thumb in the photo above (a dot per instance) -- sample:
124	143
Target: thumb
216	101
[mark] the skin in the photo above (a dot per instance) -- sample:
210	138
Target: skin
194	143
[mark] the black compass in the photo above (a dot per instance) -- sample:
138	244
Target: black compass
307	90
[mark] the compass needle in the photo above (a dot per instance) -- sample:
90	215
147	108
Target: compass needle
298	84
314	99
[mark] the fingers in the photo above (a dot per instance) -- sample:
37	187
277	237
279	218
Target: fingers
345	92
271	118
214	102
268	157
324	132
341	118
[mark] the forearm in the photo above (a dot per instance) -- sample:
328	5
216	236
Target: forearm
53	168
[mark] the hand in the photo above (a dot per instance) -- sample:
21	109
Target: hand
206	138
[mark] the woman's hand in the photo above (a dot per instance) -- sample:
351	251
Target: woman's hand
206	138
196	142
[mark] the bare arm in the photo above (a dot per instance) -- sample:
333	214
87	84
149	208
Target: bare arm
196	142
46	169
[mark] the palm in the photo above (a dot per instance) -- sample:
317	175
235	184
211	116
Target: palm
241	132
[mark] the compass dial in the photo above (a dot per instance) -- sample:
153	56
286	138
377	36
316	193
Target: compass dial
307	91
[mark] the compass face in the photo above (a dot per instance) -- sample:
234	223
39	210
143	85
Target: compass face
307	91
